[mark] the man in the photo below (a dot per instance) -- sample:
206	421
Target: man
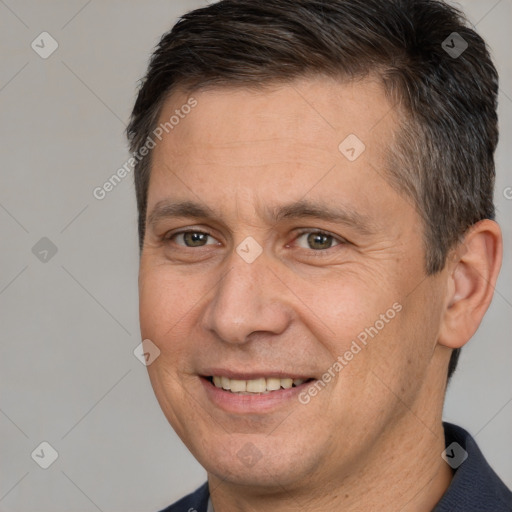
314	181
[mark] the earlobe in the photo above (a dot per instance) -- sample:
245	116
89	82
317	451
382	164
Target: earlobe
473	272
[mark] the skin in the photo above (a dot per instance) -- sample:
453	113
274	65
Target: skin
372	438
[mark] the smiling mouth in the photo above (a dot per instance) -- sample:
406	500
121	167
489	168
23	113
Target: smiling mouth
263	385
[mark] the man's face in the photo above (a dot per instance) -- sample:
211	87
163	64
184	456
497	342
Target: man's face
259	281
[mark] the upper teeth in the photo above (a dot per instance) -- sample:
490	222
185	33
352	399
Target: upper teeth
255	385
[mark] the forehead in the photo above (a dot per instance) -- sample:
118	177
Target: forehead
309	139
226	116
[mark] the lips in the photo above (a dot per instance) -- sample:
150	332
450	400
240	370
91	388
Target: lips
254	392
255	385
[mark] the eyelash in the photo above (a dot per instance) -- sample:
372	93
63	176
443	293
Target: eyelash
341	241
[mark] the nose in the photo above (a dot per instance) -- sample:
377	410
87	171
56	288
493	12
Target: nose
248	299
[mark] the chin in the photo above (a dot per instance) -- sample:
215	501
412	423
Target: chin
258	461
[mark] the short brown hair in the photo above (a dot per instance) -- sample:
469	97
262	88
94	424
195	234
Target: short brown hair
443	155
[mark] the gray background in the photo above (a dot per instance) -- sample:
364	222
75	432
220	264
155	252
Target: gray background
69	325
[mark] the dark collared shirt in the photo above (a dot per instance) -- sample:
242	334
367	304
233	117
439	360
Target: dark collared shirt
475	487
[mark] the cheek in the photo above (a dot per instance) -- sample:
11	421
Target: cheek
364	327
349	310
400	356
165	303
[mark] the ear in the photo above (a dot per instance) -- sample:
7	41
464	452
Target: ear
472	274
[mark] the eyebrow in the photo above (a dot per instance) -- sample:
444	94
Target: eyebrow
301	209
337	214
